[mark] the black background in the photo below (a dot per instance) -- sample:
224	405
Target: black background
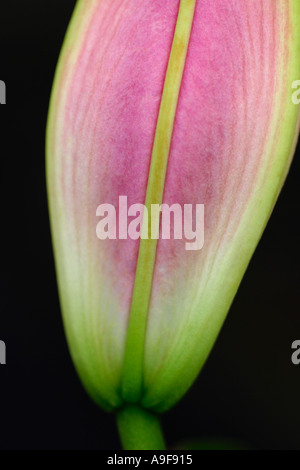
249	389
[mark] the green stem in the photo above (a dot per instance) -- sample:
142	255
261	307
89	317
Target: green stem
139	429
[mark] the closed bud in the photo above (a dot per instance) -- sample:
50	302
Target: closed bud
182	103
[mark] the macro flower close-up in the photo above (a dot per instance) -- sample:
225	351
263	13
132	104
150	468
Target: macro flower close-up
185	104
171	129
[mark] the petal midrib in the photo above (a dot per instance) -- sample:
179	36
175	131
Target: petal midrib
132	375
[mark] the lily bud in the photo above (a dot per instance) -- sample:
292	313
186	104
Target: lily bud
176	102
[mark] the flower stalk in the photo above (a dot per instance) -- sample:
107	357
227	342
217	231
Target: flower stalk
139	429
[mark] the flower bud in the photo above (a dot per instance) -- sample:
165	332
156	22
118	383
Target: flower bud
175	102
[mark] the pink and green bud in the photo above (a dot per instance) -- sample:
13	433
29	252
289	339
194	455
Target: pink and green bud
176	102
